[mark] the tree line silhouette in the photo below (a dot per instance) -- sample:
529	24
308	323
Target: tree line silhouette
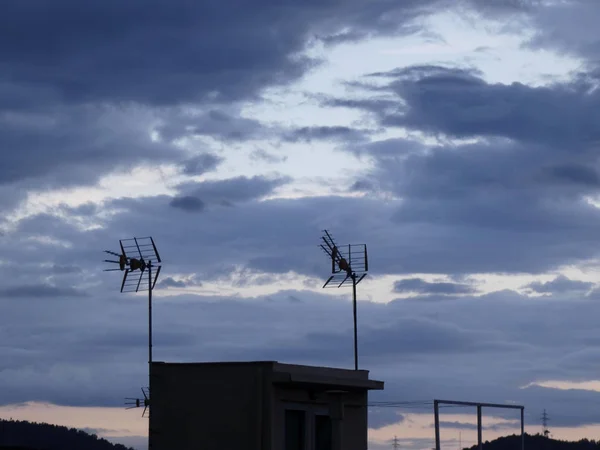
25	435
537	442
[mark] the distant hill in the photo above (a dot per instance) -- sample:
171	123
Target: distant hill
24	435
537	442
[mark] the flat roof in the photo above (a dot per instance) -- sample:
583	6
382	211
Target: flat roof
215	363
296	375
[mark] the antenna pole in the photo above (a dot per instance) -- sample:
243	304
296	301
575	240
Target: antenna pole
145	252
149	315
149	343
355	321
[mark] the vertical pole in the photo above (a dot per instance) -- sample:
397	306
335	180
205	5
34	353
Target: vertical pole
479	440
522	428
149	346
149	320
355	322
436	416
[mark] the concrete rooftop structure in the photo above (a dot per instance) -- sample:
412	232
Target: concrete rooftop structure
262	405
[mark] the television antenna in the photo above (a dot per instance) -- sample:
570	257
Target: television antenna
349	265
137	402
138	257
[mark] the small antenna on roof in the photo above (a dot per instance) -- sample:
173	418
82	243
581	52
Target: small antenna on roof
137	402
349	265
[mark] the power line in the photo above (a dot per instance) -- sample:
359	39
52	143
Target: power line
402	402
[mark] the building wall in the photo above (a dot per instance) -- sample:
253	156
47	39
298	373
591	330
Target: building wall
355	414
356	432
221	409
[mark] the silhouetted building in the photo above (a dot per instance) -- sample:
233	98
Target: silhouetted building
262	405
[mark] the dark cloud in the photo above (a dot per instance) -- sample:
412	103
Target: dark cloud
228	126
231	190
361	186
188	203
380	417
196	195
170	282
39	291
420	286
60	269
254	279
184	52
435	338
309	134
567	27
573	174
256	235
89	97
433	231
437	231
459	103
375	105
263	155
560	284
202	163
39	151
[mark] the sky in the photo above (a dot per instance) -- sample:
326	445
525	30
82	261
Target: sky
458	139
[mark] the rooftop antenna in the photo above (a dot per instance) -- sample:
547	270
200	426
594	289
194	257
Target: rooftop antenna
349	265
139	256
137	402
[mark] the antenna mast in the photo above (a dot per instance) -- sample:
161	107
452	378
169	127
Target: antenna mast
138	256
349	265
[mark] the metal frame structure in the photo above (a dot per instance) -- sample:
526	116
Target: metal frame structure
349	265
139	256
436	413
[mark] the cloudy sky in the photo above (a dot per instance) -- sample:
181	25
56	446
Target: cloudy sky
457	138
